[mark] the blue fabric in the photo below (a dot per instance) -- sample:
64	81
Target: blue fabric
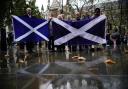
98	30
20	29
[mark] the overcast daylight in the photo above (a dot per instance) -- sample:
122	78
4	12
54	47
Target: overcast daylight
67	44
39	3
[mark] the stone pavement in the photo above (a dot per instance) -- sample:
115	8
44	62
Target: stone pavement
51	70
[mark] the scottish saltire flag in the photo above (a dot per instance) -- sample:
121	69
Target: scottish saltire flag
88	32
30	29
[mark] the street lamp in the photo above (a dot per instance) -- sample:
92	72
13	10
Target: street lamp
48	6
62	6
27	2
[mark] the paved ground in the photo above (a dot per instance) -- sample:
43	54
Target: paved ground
57	70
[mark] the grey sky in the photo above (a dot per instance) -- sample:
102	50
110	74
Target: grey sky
39	3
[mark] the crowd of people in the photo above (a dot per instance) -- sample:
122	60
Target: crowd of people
114	38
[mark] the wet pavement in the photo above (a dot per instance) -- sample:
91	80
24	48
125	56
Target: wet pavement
57	70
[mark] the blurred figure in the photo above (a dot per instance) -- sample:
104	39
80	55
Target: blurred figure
60	16
78	17
97	12
115	36
126	38
60	48
10	39
29	44
74	47
51	38
109	41
3	43
29	12
69	17
86	16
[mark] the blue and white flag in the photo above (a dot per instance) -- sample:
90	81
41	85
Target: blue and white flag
30	29
88	32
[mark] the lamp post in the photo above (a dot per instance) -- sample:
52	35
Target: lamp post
121	14
62	7
48	6
27	2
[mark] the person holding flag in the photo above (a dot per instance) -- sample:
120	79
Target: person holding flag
97	13
29	30
29	44
61	48
83	32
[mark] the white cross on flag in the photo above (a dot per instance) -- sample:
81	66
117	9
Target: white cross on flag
30	29
89	31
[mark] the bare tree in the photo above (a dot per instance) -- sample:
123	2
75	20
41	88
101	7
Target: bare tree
79	5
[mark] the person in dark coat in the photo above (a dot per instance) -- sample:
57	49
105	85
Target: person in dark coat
115	37
29	43
10	39
3	40
51	45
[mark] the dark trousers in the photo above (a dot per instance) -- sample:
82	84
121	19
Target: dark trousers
51	43
29	46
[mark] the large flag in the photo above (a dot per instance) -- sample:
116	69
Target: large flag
88	32
30	29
